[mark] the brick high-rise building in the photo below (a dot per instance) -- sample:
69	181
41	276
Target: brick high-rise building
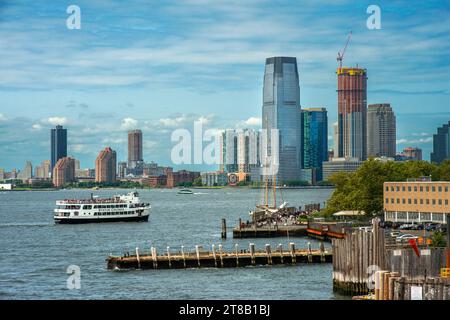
64	171
135	156
381	131
105	166
352	109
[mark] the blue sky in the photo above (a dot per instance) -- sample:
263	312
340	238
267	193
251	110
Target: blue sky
160	65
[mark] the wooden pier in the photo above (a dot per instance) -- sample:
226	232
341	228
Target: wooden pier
217	258
270	232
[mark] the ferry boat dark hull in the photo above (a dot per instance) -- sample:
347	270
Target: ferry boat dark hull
101	220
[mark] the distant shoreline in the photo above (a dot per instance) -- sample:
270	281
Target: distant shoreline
143	188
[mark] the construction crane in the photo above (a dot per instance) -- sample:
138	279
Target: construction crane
340	56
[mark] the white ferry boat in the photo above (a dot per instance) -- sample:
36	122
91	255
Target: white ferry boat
118	208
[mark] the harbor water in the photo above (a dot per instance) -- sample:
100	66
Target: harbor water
36	252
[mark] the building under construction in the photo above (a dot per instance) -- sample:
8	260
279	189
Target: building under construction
352	110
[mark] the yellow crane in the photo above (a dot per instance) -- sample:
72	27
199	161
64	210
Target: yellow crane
340	56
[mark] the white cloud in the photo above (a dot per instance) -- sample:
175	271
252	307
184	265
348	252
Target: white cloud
421	134
173	122
3	117
250	122
56	120
415	141
36	127
129	124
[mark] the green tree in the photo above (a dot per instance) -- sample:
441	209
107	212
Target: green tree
438	240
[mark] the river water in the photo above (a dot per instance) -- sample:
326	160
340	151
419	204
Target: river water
35	253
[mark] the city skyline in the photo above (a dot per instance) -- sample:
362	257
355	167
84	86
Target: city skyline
166	74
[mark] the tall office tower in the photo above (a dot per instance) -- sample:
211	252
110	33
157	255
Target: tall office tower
412	153
441	144
281	110
2	174
247	150
335	140
228	146
315	140
381	131
64	171
105	166
135	157
352	105
58	145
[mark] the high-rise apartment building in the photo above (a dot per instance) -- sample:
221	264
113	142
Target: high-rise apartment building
239	150
441	144
352	109
122	169
247	150
64	171
412	153
27	172
315	140
105	166
135	150
381	131
228	147
43	170
281	111
58	138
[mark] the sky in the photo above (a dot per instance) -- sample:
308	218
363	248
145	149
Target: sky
161	65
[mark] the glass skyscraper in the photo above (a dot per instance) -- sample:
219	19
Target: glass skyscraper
58	145
315	140
441	144
281	110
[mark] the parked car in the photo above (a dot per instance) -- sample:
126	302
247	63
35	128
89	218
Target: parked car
406	226
366	229
395	234
406	237
431	226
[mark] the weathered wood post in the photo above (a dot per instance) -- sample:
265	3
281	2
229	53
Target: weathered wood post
214	254
197	252
168	257
322	252
221	255
137	258
154	257
224	229
309	252
184	258
280	248
252	253
268	253
292	249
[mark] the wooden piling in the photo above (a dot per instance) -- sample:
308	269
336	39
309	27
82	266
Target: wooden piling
224	229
